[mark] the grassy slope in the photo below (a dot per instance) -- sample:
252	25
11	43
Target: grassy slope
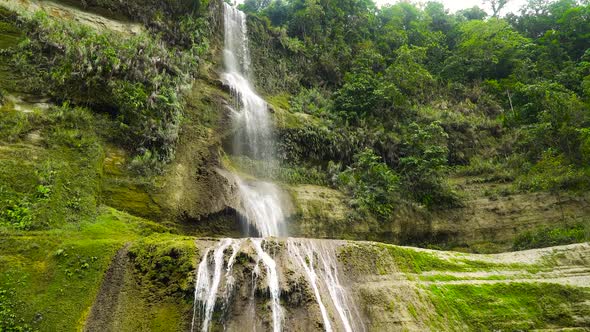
51	277
511	307
484	293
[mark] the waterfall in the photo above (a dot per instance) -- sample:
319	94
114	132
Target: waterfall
260	200
273	284
319	263
253	135
262	209
252	121
304	258
208	280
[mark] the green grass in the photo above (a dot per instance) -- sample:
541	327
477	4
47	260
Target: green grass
553	236
49	279
53	179
509	307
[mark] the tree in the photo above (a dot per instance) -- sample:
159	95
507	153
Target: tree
409	75
473	13
423	164
497	6
358	96
486	49
371	183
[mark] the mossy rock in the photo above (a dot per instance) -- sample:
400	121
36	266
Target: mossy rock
127	196
165	264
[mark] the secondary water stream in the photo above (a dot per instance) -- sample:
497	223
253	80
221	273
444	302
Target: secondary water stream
318	260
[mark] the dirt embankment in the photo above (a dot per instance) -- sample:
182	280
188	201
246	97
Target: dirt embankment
102	313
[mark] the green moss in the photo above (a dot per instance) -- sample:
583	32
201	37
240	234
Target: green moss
10	36
157	291
128	196
412	311
280	100
139	312
52	277
509	307
438	277
384	258
362	259
164	263
410	260
49	170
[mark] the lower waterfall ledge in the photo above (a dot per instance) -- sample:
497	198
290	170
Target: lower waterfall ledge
389	288
50	280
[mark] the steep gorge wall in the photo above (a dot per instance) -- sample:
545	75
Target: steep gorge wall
194	196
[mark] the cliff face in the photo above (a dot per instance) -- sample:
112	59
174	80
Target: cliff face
150	284
90	241
484	223
192	190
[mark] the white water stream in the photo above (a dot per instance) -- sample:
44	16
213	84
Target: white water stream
209	275
320	265
273	284
262	209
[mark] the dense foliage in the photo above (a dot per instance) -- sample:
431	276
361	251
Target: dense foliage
136	79
432	92
548	237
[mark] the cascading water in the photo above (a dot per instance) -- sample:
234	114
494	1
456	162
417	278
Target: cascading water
253	137
319	263
208	280
273	284
262	209
260	200
305	260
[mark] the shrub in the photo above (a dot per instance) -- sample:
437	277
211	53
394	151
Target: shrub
310	101
17	215
10	320
423	165
553	173
552	236
372	185
136	79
